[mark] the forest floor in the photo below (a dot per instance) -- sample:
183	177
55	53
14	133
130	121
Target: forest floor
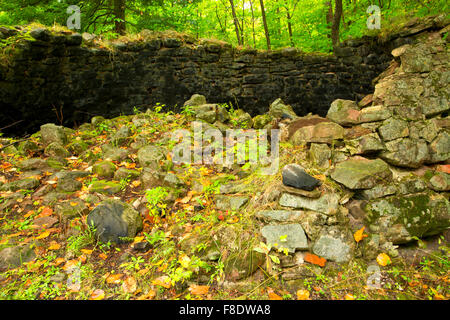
68	262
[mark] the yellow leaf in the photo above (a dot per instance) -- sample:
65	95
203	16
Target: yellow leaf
86	251
73	204
302	294
43	235
136	183
359	235
273	295
349	296
163	281
138	239
383	259
198	290
54	246
184	261
149	296
59	261
98	294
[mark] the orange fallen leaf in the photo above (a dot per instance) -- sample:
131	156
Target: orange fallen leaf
383	259
103	256
302	294
70	264
82	258
359	235
149	296
28	214
129	285
58	261
87	251
97	294
198	290
349	296
114	278
273	295
136	183
54	246
312	258
163	281
45	212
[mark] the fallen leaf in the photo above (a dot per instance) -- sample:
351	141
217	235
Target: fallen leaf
198	290
129	285
136	183
383	259
149	296
359	235
349	296
302	294
312	258
163	281
58	261
114	278
103	256
54	246
43	235
273	295
45	212
86	251
138	239
70	264
97	294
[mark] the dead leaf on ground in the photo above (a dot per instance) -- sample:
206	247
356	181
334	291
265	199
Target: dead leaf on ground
312	258
198	290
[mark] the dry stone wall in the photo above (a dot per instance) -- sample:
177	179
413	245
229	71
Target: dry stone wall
60	77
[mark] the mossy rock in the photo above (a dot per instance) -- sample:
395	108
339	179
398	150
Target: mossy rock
240	265
104	169
105	187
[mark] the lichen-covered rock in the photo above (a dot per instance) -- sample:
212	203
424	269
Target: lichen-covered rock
262	120
70	209
105	187
21	184
393	129
115	220
324	132
278	109
334	245
121	136
374	113
440	148
344	112
13	257
365	144
400	218
361	173
206	112
327	203
289	236
406	152
53	133
231	202
150	156
195	100
320	154
440	181
55	149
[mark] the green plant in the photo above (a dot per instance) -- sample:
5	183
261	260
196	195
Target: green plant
134	264
155	198
77	242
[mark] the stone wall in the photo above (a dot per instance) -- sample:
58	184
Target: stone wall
58	77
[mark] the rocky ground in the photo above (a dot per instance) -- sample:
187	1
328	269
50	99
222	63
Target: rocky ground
358	208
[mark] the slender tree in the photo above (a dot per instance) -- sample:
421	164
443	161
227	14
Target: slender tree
236	22
336	22
266	29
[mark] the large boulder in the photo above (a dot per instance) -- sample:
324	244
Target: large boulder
344	112
53	133
195	100
278	109
115	220
402	218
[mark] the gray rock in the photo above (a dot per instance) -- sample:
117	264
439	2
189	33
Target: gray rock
280	110
440	181
327	203
21	184
115	220
55	149
33	163
393	129
332	248
234	203
406	152
295	176
104	169
68	185
290	236
172	180
13	257
320	154
105	187
149	156
114	153
323	132
374	113
121	136
70	209
361	173
53	133
279	215
344	112
195	100
439	149
124	173
401	218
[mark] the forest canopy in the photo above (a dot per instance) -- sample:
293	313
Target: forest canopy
310	25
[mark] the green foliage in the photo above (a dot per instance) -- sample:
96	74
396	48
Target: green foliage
310	28
155	201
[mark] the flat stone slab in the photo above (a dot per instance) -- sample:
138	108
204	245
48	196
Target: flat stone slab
332	248
361	173
230	202
327	204
279	215
290	236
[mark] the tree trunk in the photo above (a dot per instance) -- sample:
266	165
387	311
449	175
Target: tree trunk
266	29
253	24
336	23
289	23
236	22
119	13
